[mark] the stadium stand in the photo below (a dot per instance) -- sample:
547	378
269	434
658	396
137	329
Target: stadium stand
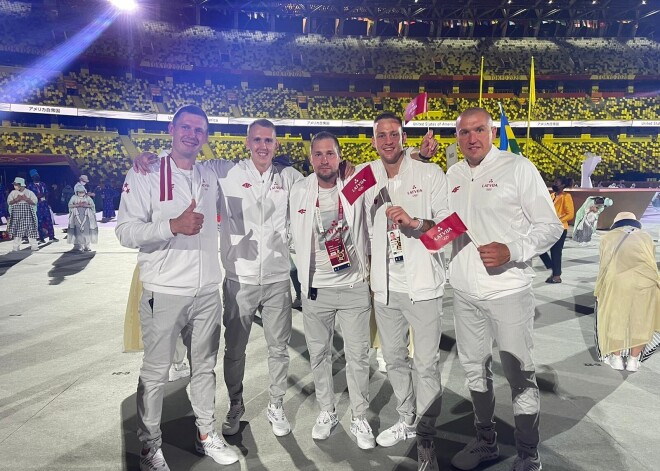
166	44
100	155
163	48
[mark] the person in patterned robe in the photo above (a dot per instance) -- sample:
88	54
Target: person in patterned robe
23	217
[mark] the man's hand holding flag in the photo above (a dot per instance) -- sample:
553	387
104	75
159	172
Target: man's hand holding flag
442	233
492	255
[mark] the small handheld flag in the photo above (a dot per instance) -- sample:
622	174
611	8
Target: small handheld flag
361	182
418	105
442	233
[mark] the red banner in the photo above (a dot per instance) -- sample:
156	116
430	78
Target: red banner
361	182
417	106
442	233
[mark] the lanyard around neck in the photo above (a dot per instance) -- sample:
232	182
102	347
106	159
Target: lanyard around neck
340	217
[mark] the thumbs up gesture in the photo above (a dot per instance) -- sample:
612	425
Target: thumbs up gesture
189	222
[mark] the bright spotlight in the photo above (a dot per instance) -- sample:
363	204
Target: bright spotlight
125	5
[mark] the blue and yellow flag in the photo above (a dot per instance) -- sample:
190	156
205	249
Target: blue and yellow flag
507	138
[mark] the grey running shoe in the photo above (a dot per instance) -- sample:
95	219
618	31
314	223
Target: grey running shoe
524	462
232	421
475	452
153	461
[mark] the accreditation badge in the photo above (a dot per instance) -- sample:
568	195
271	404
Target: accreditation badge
337	254
394	238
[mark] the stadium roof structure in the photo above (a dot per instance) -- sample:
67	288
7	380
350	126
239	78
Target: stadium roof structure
644	14
636	17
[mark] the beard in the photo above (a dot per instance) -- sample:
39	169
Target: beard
328	177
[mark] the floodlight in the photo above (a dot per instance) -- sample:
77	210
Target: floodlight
125	5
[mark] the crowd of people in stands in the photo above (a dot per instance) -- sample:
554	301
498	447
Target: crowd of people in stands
140	95
166	43
103	156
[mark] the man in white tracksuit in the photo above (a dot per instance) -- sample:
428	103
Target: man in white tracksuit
331	242
408	199
505	205
253	203
169	215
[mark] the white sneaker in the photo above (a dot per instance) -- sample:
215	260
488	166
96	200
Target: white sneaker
396	433
180	372
153	461
325	423
632	364
232	422
216	448
362	431
277	419
615	361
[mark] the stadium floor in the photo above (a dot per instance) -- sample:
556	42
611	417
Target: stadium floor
67	392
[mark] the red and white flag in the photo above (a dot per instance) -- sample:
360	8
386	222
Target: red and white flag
418	105
361	182
442	233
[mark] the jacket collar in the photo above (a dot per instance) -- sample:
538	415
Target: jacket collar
491	156
403	168
254	171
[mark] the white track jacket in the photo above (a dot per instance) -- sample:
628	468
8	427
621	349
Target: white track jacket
180	265
423	194
253	229
302	207
503	199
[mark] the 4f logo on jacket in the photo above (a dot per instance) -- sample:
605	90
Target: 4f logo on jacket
456	188
302	211
246	185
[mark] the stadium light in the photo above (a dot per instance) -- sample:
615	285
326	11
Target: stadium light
125	5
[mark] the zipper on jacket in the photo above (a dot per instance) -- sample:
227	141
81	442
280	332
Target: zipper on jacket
261	235
469	221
